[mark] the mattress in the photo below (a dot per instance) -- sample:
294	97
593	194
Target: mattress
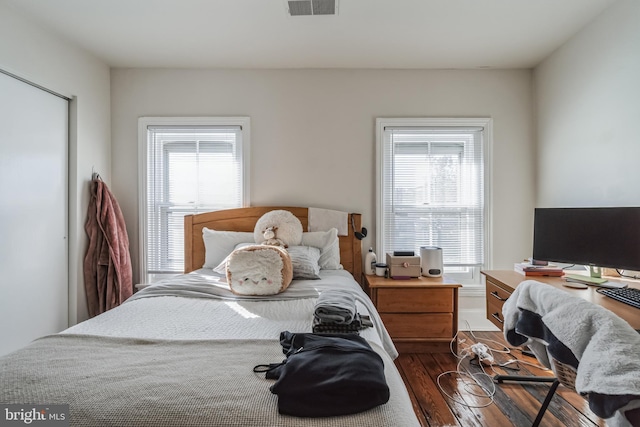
160	312
183	350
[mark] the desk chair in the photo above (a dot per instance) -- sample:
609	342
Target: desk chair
565	375
579	328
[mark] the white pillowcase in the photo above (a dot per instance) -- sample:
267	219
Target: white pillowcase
222	267
304	260
328	243
219	244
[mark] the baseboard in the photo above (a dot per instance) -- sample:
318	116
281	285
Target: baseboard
474	319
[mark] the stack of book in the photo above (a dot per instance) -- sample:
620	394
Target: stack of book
538	270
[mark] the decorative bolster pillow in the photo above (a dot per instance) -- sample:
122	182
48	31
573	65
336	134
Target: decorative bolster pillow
259	270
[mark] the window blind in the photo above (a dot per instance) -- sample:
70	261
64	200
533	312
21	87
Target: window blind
190	169
433	191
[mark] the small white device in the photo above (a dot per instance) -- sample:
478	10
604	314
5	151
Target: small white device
431	261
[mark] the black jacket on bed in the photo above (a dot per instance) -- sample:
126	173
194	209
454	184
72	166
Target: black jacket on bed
327	375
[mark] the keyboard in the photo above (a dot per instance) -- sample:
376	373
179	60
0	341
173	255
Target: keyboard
629	296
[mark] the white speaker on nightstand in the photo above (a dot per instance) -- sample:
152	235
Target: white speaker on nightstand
431	261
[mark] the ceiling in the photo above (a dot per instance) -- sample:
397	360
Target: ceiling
431	34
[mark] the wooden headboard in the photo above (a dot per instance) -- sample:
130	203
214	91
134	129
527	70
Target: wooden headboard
244	219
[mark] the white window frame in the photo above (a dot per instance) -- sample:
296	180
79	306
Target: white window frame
472	283
143	124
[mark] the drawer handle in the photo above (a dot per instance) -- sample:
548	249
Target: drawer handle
497	317
498	297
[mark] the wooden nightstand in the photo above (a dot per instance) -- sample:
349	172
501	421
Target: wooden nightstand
420	314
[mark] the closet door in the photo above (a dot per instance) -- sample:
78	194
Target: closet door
34	291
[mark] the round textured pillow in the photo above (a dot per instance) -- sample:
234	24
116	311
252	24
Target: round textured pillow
289	227
259	270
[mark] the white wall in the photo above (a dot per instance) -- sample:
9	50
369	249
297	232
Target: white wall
313	130
588	111
313	133
50	61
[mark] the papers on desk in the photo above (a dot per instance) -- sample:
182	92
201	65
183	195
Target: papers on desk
587	280
593	281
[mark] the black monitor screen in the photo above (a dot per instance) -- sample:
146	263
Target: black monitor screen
602	237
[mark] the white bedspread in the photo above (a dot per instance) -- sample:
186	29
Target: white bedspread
182	352
219	314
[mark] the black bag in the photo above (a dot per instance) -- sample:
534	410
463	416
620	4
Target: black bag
327	375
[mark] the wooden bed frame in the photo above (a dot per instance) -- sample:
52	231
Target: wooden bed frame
244	219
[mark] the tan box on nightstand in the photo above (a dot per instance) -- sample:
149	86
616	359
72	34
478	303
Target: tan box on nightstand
403	266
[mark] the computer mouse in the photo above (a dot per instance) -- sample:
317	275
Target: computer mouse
575	285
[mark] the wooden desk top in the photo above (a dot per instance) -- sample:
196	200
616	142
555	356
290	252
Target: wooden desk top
511	279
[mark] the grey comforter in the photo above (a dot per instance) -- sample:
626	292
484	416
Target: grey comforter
109	381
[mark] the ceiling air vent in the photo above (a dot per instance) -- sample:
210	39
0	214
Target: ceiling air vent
311	7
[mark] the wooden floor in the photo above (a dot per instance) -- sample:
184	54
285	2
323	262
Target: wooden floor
512	404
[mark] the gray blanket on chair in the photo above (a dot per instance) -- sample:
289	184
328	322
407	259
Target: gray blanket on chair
603	347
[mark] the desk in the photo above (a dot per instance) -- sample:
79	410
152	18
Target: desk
501	283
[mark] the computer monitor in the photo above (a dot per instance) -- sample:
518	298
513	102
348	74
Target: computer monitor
601	237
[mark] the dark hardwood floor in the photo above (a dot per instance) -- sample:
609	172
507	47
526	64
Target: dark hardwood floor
512	405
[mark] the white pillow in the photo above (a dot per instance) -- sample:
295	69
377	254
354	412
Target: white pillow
219	244
289	227
328	243
259	270
304	260
222	267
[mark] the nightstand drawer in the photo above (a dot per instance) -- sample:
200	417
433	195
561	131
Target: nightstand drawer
415	300
423	325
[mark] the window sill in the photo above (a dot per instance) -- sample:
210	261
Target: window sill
472	290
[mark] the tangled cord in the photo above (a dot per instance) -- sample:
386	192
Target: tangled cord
483	353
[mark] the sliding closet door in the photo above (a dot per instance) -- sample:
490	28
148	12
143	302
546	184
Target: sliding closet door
33	213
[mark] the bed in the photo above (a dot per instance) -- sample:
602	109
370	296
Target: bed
181	352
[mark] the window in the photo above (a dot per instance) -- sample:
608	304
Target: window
191	165
431	190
